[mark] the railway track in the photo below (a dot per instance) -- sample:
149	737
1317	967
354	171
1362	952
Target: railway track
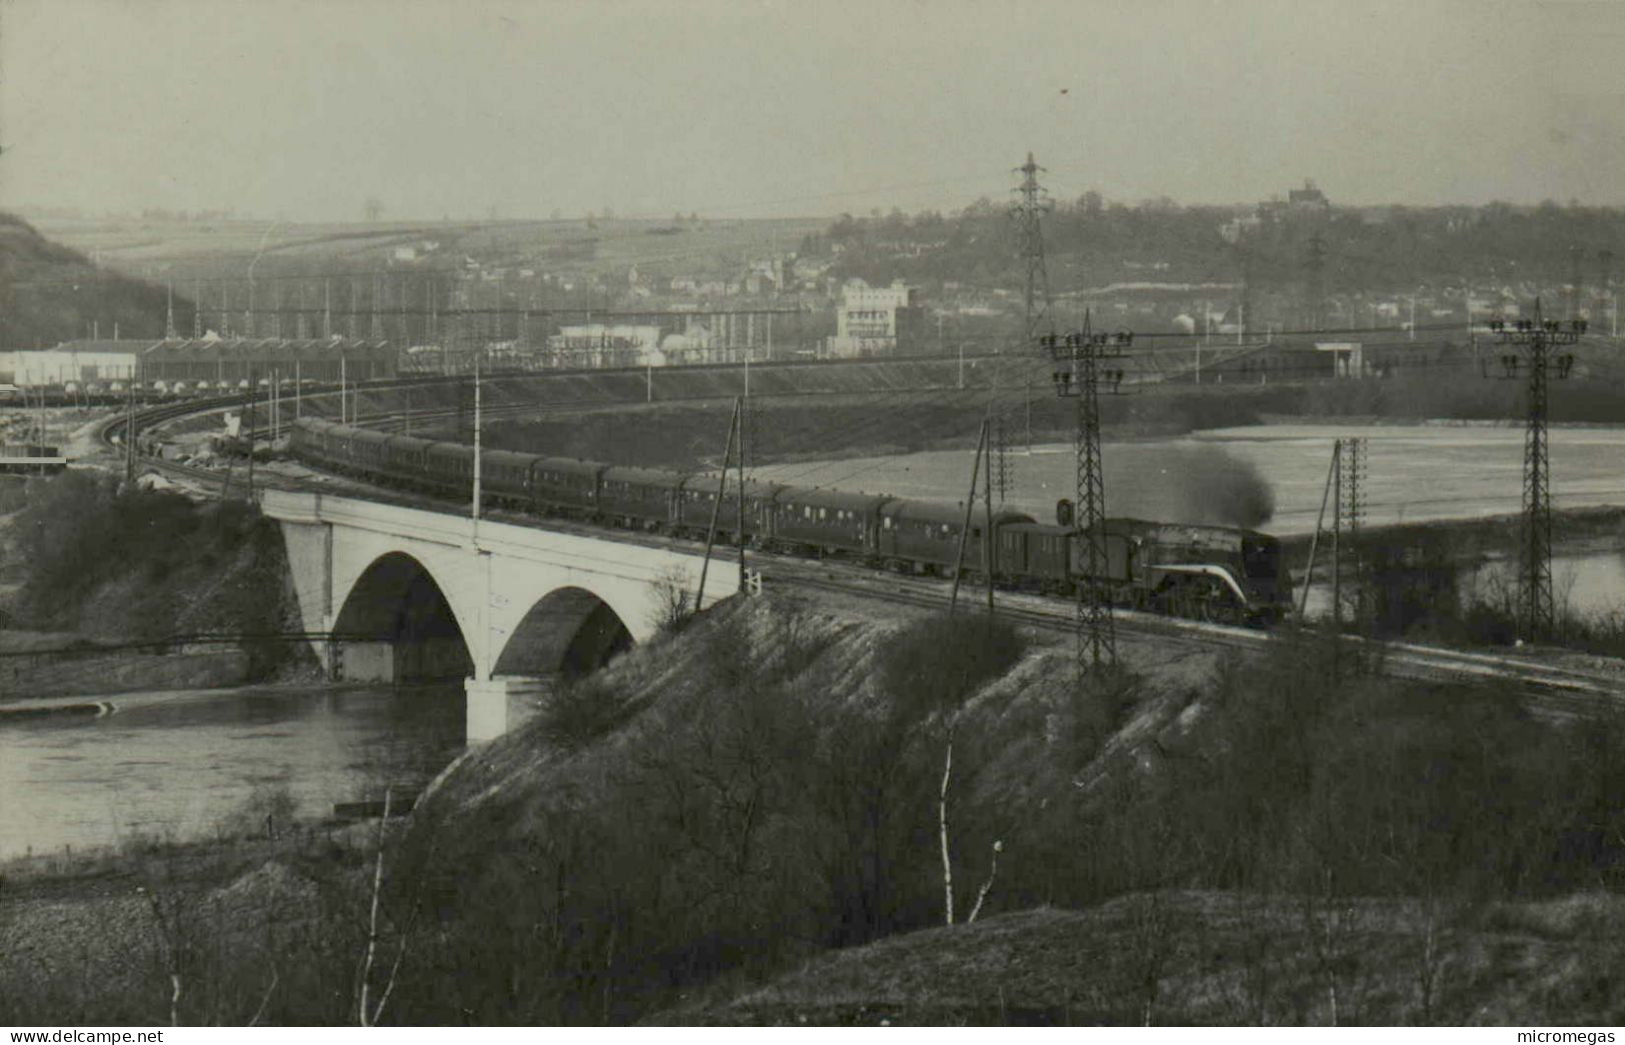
1556	690
1553	690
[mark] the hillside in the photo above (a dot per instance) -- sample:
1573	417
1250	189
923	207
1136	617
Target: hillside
760	794
1206	959
51	293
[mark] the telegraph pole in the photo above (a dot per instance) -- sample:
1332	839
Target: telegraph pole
477	446
739	437
970	504
1083	351
716	506
1536	337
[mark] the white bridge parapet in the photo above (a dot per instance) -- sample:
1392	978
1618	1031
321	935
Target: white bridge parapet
526	601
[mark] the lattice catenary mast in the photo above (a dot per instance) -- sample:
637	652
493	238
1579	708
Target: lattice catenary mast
1536	337
1083	352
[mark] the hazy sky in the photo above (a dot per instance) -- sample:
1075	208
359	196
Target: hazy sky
450	107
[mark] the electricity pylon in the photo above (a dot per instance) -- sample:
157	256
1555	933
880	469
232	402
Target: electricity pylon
1536	337
1079	379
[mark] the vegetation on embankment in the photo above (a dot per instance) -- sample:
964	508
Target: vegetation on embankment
120	566
266	922
765	787
763	791
1216	958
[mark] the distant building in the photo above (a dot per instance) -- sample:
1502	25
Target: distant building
73	362
876	320
603	345
1307	197
1348	358
215	361
229	362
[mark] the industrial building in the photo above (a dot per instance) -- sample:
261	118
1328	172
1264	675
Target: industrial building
74	363
605	345
876	320
212	360
232	360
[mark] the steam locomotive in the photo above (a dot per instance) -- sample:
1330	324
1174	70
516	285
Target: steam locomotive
1211	573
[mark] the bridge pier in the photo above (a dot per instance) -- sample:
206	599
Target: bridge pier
487	715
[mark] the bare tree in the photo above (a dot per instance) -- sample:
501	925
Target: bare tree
368	1015
993	872
670	604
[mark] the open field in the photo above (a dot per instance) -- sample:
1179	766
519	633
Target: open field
1415	473
225	248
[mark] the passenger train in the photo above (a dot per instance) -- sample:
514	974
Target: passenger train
1213	573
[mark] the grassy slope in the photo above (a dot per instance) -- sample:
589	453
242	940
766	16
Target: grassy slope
51	293
1216	958
1266	781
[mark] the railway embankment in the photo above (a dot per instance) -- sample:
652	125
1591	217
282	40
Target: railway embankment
97	584
772	788
757	819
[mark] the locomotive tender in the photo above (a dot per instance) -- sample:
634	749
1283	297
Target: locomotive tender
1206	572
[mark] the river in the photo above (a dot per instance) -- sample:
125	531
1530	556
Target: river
181	765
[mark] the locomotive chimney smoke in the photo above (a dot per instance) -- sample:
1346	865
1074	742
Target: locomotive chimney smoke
1194	484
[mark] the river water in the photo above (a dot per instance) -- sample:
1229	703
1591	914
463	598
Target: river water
182	765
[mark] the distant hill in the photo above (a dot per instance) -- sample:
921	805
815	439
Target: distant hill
51	293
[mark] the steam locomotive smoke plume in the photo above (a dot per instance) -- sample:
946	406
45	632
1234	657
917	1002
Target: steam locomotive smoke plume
1195	484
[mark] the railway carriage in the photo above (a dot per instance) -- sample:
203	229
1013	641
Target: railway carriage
696	503
450	467
826	522
367	451
505	478
561	486
924	536
639	498
1035	556
406	459
307	439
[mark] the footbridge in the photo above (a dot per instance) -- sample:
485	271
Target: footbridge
424	594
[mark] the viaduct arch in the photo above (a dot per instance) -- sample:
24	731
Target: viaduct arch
409	593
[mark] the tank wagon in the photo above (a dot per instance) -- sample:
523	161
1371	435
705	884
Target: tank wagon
1213	573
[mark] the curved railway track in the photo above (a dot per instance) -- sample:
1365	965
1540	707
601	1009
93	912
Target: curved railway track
1554	690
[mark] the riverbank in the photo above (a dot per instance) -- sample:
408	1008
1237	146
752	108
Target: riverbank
98	671
762	792
225	932
98	588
